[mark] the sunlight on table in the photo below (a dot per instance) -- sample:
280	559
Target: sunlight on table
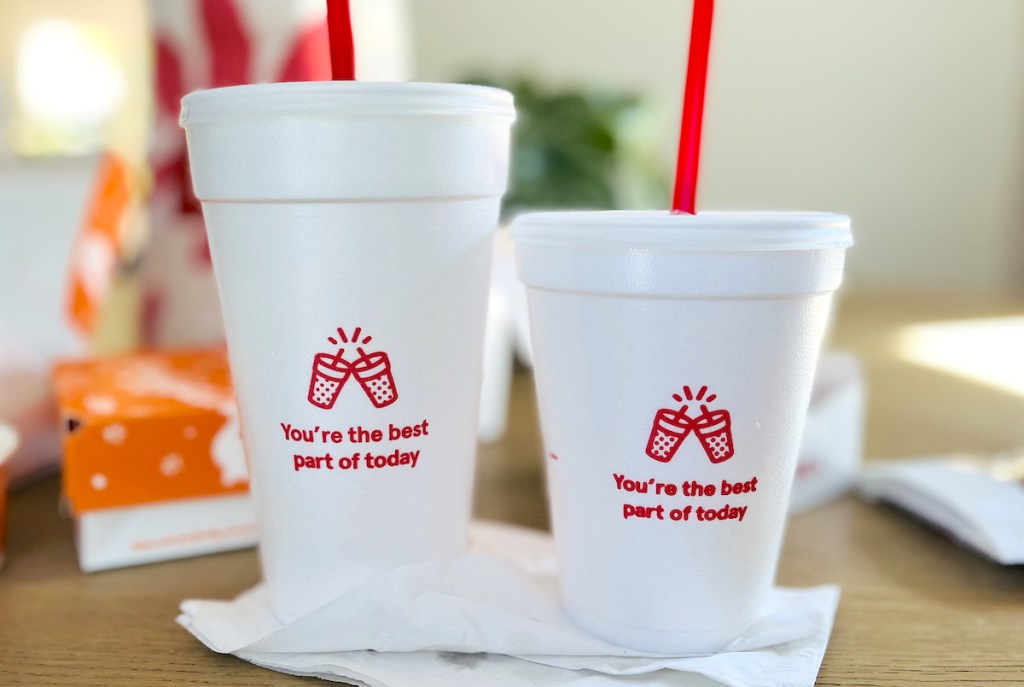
985	351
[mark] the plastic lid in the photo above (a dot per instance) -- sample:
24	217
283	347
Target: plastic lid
705	231
360	98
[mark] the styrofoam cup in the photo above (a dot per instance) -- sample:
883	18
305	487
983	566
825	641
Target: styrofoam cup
350	227
674	356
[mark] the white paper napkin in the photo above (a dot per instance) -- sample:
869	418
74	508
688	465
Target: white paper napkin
492	617
978	502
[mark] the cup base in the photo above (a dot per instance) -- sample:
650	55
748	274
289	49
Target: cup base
671	642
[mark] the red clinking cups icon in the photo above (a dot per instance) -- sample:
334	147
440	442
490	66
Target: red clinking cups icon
332	370
671	426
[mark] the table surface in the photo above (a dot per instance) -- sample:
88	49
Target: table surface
916	608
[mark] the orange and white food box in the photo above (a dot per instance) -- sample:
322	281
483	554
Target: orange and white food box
153	462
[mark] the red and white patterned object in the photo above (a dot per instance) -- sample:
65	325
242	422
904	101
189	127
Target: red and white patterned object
211	43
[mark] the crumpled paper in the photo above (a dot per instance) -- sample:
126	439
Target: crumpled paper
492	617
978	501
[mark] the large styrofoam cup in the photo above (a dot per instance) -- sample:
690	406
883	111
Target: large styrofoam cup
674	356
350	227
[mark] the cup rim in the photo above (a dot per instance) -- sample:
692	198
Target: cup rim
719	231
712	420
394	99
370	362
325	362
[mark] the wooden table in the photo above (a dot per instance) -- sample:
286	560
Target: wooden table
916	609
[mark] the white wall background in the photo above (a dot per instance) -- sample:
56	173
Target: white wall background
906	114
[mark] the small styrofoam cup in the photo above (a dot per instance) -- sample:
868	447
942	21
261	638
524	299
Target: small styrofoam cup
350	227
674	355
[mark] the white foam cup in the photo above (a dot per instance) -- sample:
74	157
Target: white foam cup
674	356
350	227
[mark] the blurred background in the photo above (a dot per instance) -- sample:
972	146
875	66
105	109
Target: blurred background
907	116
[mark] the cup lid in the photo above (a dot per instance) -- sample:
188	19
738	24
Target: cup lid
358	98
705	231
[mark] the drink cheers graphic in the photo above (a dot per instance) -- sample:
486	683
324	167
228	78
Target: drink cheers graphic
332	370
671	426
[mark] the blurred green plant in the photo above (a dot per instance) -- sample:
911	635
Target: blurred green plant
570	149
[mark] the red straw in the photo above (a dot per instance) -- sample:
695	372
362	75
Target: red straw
684	196
339	28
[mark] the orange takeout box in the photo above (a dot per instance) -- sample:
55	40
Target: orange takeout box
153	462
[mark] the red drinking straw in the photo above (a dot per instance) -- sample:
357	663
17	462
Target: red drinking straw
684	196
339	29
